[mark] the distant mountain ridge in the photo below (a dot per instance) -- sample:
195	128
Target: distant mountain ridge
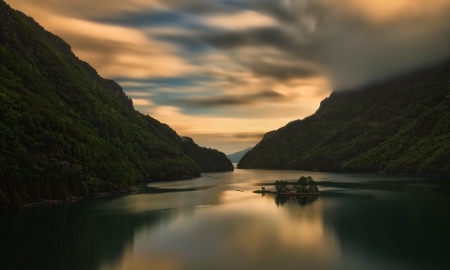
399	127
236	157
65	131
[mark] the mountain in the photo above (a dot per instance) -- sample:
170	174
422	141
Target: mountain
236	157
65	131
209	160
398	127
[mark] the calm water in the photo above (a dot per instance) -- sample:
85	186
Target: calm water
360	222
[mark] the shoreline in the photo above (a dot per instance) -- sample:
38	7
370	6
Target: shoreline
130	191
363	172
42	202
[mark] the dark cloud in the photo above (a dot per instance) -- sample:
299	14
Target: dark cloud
293	56
182	81
254	136
88	9
245	136
206	7
350	42
229	100
145	19
188	43
264	36
281	71
350	45
180	13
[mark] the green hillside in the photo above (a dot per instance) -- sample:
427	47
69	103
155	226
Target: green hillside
400	127
65	131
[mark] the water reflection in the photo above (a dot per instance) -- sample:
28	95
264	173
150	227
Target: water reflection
68	236
206	223
409	233
251	235
281	200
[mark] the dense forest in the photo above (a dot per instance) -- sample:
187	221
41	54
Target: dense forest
401	126
66	132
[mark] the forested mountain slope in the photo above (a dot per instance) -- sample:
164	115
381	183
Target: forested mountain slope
401	127
65	131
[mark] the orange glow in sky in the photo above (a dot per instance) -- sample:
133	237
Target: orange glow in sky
225	74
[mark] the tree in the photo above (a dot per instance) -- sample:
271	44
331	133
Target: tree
278	185
283	185
4	202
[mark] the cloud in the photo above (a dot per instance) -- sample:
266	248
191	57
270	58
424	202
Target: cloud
141	102
359	42
85	8
253	137
145	19
218	132
351	42
230	142
241	20
117	51
245	66
215	101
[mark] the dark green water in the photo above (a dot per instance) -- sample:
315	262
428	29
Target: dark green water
360	222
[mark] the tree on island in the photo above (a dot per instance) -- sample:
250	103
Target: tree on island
306	185
303	185
306	181
280	185
277	186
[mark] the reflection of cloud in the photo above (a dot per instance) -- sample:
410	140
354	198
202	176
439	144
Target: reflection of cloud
254	233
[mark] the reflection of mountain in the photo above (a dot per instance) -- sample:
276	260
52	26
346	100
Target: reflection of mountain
69	236
303	201
435	186
413	230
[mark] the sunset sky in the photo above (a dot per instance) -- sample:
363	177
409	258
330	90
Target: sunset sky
225	72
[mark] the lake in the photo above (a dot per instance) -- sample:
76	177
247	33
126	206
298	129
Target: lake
361	221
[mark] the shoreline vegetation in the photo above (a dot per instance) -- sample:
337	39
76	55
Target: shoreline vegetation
66	132
304	187
129	191
43	202
71	198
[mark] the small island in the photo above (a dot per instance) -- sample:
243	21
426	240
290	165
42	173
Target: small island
304	187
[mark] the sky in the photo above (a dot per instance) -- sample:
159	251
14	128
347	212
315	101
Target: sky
225	72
